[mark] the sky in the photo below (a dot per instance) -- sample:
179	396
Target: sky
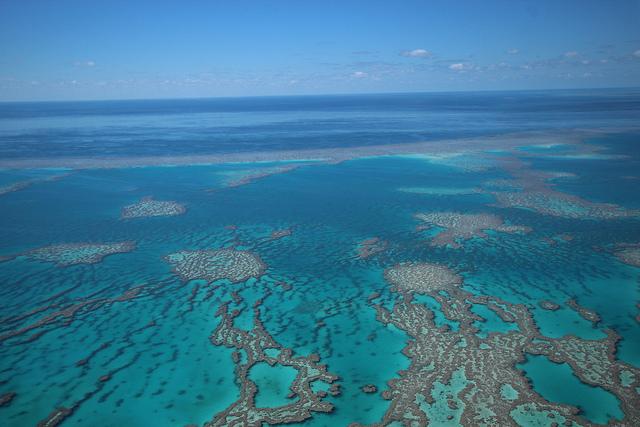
77	50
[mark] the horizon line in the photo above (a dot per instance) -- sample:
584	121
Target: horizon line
194	98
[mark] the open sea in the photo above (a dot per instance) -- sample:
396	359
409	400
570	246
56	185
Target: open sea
402	259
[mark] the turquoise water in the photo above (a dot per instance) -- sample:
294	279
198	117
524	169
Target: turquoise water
598	405
124	361
273	384
491	322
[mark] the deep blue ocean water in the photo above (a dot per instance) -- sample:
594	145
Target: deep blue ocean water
214	126
171	372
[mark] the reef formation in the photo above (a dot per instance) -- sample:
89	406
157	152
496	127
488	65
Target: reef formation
494	388
68	254
58	314
279	234
21	185
251	175
536	192
459	227
254	344
629	253
439	191
211	265
149	207
372	246
16	186
549	305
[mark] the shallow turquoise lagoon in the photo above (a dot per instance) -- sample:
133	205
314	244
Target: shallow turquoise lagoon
596	404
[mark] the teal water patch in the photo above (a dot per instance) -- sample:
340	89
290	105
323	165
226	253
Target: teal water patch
597	404
615	297
507	392
492	322
626	378
273	384
565	321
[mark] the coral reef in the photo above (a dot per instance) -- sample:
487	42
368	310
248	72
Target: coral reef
211	265
629	253
7	398
369	388
585	313
16	186
422	278
549	305
486	365
555	203
68	254
253	343
64	315
536	193
21	185
370	247
460	226
56	417
249	176
149	207
279	234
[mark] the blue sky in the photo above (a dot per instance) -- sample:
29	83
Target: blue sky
54	50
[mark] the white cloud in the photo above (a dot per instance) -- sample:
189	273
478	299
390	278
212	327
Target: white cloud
84	64
416	53
459	66
571	54
359	74
637	53
513	51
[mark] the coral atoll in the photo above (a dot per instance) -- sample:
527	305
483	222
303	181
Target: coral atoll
148	207
422	277
67	254
458	226
212	265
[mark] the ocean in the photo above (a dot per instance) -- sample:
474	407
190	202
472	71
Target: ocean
400	259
